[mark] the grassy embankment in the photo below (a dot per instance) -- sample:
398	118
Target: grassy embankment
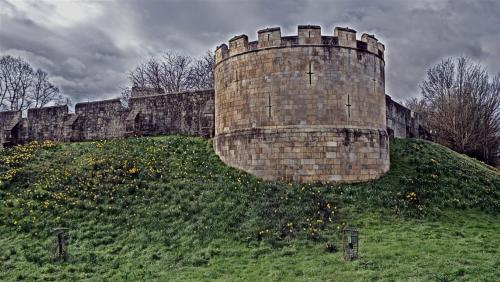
166	208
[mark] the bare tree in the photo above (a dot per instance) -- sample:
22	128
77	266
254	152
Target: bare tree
3	81
176	72
21	87
173	72
18	77
202	74
125	94
461	106
153	72
415	104
138	76
43	91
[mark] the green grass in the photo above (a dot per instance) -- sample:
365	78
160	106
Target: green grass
166	208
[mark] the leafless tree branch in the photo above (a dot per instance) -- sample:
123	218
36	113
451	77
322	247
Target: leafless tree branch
174	72
21	87
461	106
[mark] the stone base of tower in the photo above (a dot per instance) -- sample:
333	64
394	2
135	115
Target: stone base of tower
312	154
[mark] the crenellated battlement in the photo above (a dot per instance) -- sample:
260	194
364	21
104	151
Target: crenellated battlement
307	107
343	37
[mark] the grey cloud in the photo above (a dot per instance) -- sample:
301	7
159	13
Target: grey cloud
90	60
83	59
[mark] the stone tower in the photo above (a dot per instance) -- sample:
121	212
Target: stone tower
307	108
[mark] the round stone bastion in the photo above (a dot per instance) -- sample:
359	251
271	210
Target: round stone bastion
304	108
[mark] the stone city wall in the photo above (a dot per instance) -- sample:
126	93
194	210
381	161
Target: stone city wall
8	121
98	120
47	123
109	119
189	113
403	122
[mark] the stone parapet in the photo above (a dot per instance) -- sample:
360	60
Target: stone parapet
306	35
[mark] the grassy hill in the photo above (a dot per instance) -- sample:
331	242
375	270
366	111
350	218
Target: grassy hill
166	208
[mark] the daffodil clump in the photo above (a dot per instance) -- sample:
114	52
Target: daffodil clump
12	158
121	181
427	178
169	203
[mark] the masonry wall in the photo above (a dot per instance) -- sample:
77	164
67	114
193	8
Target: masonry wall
186	113
403	122
189	113
109	119
19	133
98	120
137	91
8	121
47	123
323	154
306	108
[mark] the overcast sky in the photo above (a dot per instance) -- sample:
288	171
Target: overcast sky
88	46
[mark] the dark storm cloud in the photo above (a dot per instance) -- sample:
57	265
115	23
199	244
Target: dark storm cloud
82	59
89	57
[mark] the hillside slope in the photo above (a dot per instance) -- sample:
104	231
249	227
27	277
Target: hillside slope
167	208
